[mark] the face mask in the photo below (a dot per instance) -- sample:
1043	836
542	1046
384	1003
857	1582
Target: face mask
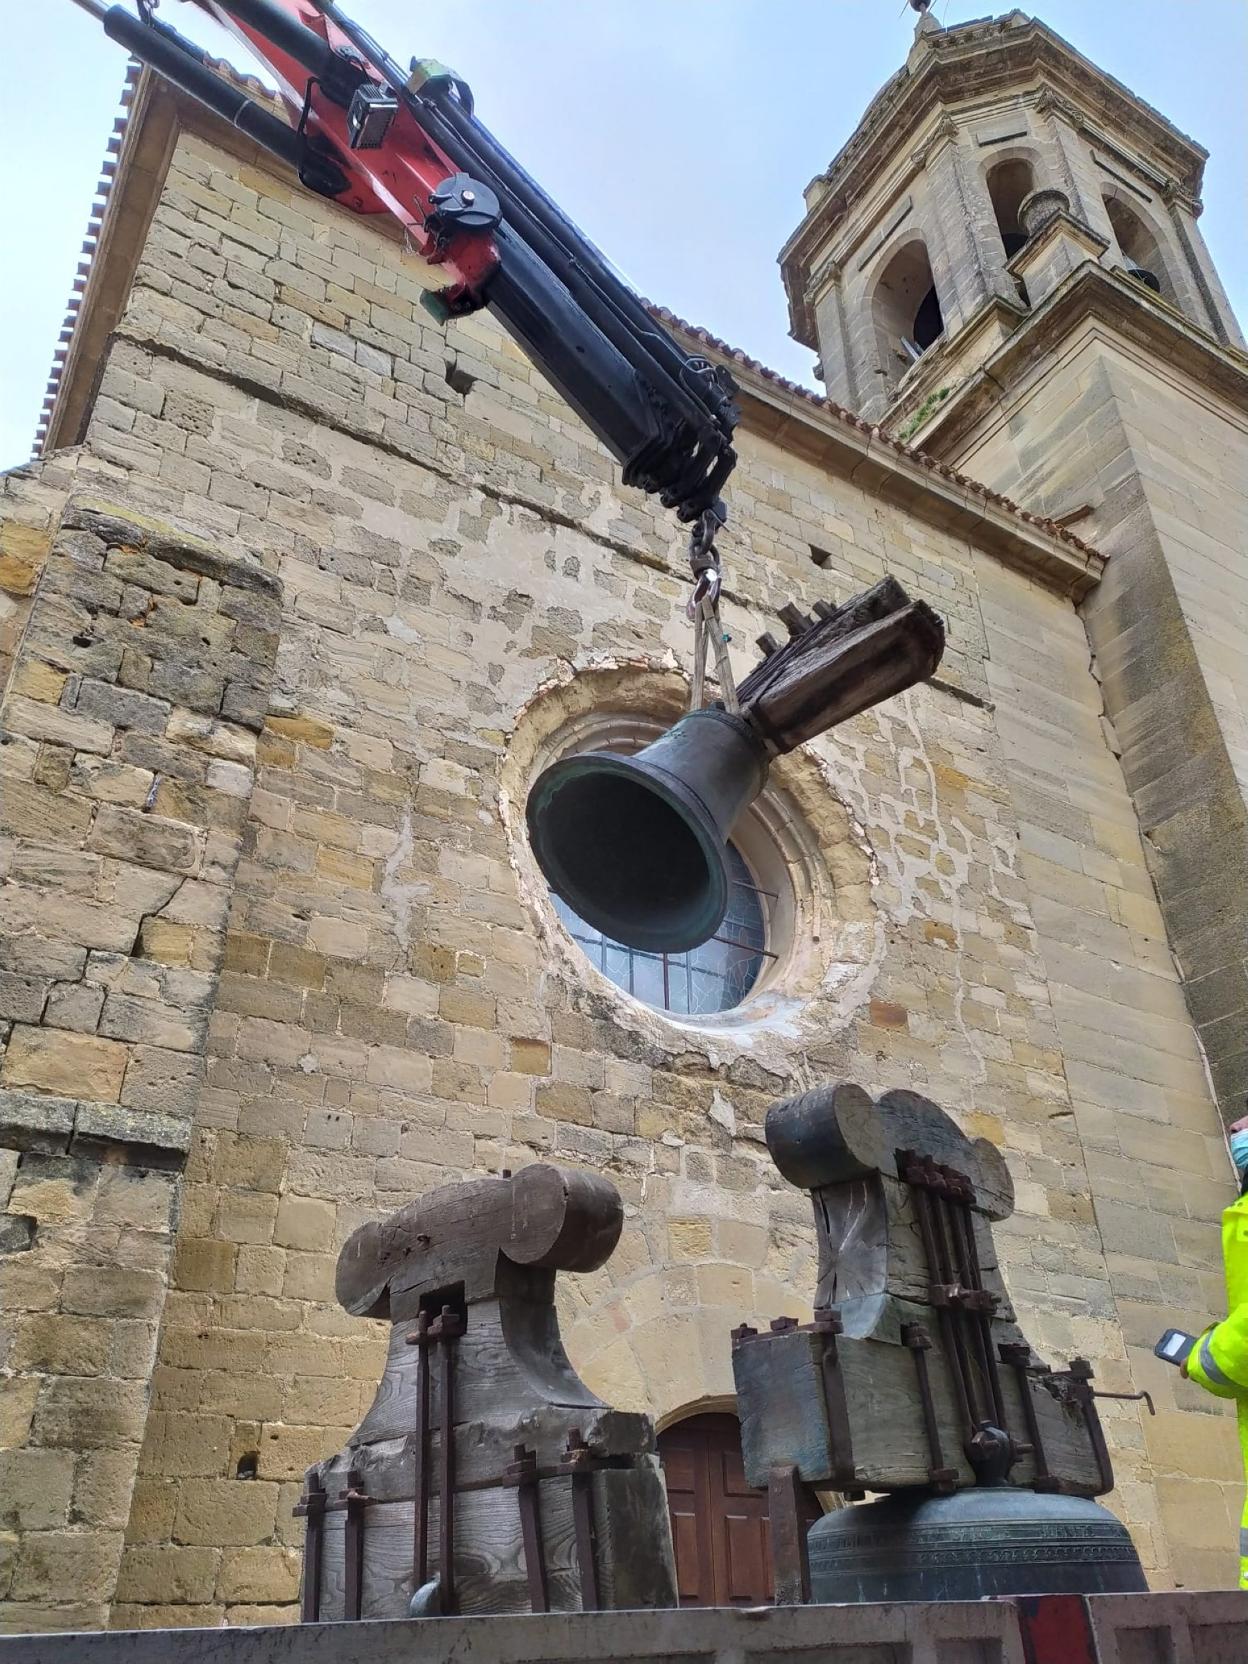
1239	1152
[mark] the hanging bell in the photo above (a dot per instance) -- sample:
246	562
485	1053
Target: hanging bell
636	845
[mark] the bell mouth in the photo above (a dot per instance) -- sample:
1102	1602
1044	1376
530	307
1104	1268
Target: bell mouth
636	856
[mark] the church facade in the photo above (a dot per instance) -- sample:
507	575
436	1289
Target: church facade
305	589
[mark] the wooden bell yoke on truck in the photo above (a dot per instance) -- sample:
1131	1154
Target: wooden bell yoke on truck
914	1378
486	1477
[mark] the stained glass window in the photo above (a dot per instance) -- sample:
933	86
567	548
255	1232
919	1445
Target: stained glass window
713	977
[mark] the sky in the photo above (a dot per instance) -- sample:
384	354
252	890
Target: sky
679	134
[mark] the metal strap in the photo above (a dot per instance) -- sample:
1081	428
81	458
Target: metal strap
420	1514
524	1471
578	1464
353	1545
312	1504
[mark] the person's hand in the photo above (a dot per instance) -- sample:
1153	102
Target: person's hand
1239	1126
1183	1369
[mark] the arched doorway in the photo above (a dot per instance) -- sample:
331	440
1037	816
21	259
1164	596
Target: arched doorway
719	1523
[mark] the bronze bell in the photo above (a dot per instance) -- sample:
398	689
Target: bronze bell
635	845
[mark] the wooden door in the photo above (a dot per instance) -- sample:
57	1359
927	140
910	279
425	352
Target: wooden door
719	1523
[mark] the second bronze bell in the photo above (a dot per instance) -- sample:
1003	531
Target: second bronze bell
636	845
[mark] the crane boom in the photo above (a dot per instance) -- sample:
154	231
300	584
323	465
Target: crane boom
379	141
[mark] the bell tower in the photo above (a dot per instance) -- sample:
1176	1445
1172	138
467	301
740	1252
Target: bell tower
1003	266
993	164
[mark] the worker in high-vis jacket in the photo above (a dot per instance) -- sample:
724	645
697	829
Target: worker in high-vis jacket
1219	1359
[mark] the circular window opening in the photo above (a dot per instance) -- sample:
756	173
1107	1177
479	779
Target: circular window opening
723	972
714	977
801	924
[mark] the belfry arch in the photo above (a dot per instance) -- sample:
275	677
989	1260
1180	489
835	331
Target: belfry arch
905	309
1141	250
1009	182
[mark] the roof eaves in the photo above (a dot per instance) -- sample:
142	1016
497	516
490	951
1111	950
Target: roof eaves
943	470
90	245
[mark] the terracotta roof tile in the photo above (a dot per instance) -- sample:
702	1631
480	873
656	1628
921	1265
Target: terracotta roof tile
735	355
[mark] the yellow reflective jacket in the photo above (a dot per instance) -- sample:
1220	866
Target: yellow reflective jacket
1219	1359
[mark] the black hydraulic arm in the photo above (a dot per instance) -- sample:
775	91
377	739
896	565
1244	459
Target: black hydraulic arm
667	415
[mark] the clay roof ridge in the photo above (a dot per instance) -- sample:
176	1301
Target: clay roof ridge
737	355
90	244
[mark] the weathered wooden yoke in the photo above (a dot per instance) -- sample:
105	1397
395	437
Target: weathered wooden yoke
914	1372
486	1477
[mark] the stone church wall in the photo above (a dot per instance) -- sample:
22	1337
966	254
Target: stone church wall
1161	459
462	590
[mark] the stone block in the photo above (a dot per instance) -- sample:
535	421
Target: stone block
245	1218
149	840
173	944
18	1395
121	707
161	1080
60	1062
23	550
152	1509
287	1452
260	1574
41	721
73	1414
17	1233
305	1222
32	1120
21	998
201	1263
37	680
190	1446
8	1172
115	1123
110	781
132	566
74	1005
396	1067
168	1574
246	702
113	1291
531	1057
85	1562
34	955
207	734
296	965
56	1343
134	1197
44	816
225	1513
306	730
57	1189
35	1489
151	1022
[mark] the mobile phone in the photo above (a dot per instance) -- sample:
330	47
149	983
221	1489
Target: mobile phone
1174	1346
